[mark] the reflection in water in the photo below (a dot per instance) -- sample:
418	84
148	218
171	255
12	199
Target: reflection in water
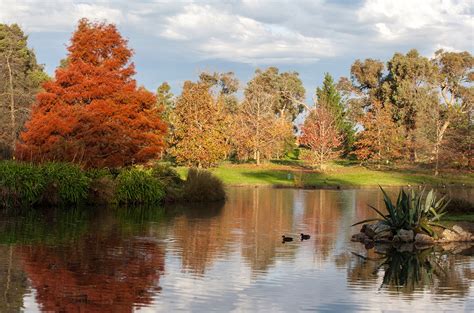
407	269
13	282
222	257
101	272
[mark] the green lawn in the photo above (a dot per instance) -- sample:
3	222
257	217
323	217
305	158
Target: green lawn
337	174
468	217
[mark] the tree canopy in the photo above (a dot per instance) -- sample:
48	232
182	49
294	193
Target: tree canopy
92	113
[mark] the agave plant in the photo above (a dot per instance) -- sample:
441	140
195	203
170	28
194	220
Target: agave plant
412	211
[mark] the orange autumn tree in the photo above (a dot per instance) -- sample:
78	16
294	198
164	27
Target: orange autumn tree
381	140
321	136
92	113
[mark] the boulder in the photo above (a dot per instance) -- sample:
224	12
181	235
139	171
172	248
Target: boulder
404	235
457	234
359	237
369	230
423	239
378	230
386	236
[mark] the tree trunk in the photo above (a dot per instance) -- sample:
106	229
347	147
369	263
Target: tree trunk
12	108
9	270
257	156
439	140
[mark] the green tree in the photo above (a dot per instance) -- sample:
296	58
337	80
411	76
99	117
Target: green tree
454	78
165	99
20	79
329	98
286	90
408	86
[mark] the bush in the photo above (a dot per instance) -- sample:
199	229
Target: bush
24	184
102	190
138	186
166	174
21	184
202	186
170	180
66	183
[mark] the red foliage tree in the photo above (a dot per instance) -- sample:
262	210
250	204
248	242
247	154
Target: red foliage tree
320	135
92	113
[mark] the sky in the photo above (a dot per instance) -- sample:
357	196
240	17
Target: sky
174	41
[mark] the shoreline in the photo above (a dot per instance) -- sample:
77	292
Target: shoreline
346	187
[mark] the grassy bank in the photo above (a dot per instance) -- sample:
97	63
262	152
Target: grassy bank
295	174
467	217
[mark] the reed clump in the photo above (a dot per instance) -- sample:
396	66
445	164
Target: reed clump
203	186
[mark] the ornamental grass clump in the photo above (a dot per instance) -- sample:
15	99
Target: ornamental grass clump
138	186
21	184
26	184
66	183
412	211
203	186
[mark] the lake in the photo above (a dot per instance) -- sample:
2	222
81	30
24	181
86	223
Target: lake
225	257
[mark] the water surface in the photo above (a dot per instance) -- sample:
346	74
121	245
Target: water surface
225	258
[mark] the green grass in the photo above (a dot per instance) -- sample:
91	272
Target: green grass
469	217
341	174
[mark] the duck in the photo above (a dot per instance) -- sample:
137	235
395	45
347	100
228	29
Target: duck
305	236
286	239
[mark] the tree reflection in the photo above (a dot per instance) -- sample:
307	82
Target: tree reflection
322	216
201	233
406	269
13	281
264	214
107	266
99	274
253	218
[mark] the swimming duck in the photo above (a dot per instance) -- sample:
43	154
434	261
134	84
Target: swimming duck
286	239
305	237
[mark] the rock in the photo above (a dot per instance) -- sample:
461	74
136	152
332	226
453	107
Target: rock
423	239
370	231
404	235
382	227
359	237
465	248
377	230
384	234
457	234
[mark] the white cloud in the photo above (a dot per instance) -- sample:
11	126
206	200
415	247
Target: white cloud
224	35
406	19
264	31
55	15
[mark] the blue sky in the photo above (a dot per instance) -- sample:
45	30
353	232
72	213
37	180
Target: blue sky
175	40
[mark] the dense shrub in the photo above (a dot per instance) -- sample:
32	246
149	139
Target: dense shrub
170	180
203	186
166	174
21	184
138	186
102	190
66	183
24	184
